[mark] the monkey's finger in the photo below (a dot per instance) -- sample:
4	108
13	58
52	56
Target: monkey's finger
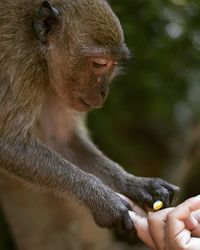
163	195
173	191
148	201
127	205
134	207
171	187
128	224
127	202
124	225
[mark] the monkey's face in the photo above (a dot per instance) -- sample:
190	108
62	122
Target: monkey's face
96	73
84	48
83	82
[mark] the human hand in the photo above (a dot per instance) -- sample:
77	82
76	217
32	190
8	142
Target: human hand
183	226
139	218
171	228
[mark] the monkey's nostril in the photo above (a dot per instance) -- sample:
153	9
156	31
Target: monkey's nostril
103	94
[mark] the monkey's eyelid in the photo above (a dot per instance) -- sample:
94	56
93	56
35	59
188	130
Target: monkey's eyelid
101	61
98	65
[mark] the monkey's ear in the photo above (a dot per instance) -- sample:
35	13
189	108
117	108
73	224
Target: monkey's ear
45	20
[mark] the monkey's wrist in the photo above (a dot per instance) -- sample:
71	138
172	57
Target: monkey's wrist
120	182
131	183
96	191
92	189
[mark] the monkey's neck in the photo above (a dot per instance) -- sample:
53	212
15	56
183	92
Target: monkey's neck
56	122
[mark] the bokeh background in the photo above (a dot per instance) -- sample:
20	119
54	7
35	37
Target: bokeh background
151	121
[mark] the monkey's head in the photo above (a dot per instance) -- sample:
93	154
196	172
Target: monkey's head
83	44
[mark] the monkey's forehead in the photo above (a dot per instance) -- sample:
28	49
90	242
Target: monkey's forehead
95	18
104	22
118	53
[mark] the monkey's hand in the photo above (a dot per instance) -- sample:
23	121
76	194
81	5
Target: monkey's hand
108	209
146	191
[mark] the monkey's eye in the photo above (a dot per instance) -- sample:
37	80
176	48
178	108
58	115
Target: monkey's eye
100	62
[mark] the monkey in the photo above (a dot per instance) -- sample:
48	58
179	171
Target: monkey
58	59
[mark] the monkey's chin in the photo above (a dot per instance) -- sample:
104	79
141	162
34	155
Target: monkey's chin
81	106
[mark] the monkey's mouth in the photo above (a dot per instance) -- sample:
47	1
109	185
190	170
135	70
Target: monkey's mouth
90	105
85	104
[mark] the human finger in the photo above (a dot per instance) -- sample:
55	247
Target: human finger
191	223
177	235
196	231
142	228
157	223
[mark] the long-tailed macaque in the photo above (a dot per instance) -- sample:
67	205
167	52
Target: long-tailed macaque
57	61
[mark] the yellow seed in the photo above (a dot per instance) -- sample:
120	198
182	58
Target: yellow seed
157	205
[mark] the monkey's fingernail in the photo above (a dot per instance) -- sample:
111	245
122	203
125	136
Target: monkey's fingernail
157	205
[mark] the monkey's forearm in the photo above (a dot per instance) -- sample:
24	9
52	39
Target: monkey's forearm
143	190
30	160
83	153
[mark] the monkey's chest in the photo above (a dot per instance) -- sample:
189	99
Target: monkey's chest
54	127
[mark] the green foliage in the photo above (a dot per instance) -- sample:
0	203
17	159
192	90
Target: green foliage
159	94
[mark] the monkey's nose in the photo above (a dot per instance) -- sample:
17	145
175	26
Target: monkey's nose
103	94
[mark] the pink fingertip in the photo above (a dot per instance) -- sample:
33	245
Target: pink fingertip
191	223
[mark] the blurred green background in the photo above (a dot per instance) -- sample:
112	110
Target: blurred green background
151	121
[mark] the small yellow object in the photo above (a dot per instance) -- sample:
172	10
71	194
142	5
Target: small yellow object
157	205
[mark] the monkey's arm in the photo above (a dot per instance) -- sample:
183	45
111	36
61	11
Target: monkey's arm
30	160
86	155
